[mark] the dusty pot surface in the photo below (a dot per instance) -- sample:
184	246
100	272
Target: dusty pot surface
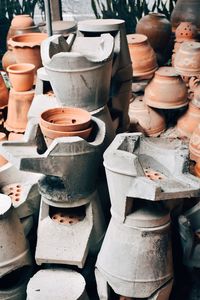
194	145
142	55
186	31
21	76
157	28
189	121
166	90
187	59
4	94
66	119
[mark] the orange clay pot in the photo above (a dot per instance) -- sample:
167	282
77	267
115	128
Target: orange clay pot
186	31
8	58
189	121
194	145
166	90
21	76
18	107
26	48
187	62
66	119
145	119
3	161
142	56
19	21
4	94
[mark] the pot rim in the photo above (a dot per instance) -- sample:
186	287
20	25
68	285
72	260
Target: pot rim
26	68
15	40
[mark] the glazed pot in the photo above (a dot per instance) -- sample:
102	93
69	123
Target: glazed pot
186	31
26	48
166	90
18	107
145	119
4	94
194	145
21	76
187	62
157	28
185	11
189	121
142	56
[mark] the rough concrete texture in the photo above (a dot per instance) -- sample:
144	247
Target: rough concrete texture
147	168
14	252
54	284
69	243
79	72
78	159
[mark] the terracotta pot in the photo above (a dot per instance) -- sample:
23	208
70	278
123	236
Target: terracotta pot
22	21
26	48
145	119
21	76
18	107
142	55
189	121
20	30
196	98
186	31
187	62
196	171
66	119
3	137
4	94
157	28
8	59
166	90
194	145
185	11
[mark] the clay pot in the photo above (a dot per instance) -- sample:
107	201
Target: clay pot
194	145
4	94
186	31
196	171
189	121
18	107
15	136
187	59
196	98
145	119
157	28
142	56
22	21
26	48
166	90
8	59
21	76
3	137
185	11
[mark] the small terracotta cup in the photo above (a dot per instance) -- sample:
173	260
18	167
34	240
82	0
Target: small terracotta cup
21	76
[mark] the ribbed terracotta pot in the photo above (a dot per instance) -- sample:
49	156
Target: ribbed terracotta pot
187	59
26	48
21	76
18	107
189	121
194	145
4	94
142	56
166	90
186	31
157	28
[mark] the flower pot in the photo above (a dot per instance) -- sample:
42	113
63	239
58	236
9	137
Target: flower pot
189	121
196	171
187	62
18	107
186	31
19	21
166	90
21	76
4	94
157	28
194	145
142	55
26	48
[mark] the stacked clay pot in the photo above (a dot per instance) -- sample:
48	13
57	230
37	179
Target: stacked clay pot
142	56
64	122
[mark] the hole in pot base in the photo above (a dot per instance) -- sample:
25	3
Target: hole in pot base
67	216
153	174
14	191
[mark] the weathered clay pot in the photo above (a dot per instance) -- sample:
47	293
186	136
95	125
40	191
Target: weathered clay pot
166	90
18	107
185	11
66	119
196	98
26	48
4	94
189	121
142	56
186	31
145	119
194	145
187	59
3	137
157	28
21	76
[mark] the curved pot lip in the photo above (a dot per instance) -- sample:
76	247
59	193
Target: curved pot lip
81	117
156	14
15	40
136	39
25	68
167	72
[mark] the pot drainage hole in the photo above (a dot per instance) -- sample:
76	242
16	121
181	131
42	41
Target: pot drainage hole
14	191
67	216
153	174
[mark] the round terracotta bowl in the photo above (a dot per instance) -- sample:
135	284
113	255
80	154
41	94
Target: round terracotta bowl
186	31
187	59
142	55
166	90
194	145
66	119
21	76
189	121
